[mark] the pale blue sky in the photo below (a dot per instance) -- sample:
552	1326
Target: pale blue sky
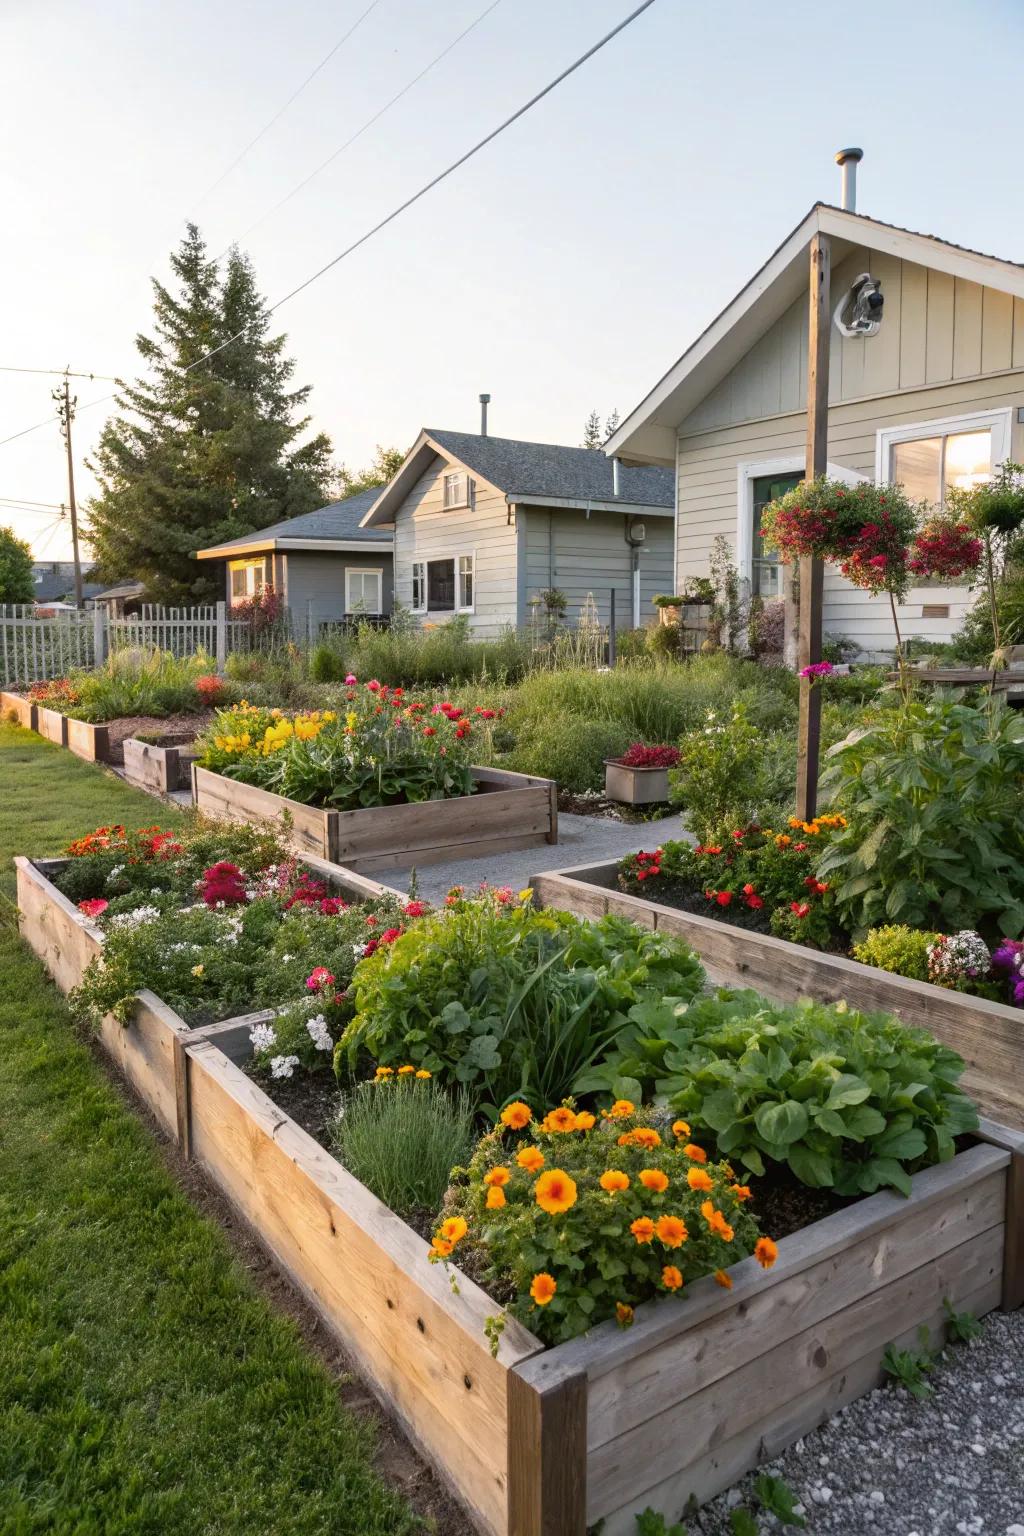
566	267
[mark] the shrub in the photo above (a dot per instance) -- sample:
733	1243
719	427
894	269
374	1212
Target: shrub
139	682
210	689
847	1101
509	1001
327	663
724	776
897	948
585	1220
401	1136
933	796
569	748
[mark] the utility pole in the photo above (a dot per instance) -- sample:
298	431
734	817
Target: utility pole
812	571
65	413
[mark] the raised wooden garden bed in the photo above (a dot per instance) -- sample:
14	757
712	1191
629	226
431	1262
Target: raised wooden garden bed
989	1036
19	707
91	742
158	768
508	811
544	1442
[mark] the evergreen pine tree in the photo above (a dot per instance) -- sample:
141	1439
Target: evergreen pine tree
612	422
197	458
593	437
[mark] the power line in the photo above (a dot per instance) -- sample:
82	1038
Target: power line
27	503
397	212
26	430
292	98
63	372
369	122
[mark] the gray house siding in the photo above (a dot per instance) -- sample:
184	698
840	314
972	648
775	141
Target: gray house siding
317	578
586	557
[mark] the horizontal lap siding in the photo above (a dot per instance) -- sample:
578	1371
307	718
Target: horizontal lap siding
320	579
586	557
424	531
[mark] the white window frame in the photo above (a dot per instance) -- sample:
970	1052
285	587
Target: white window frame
258	565
462	489
999	421
423	561
749	470
421	567
460	574
364	570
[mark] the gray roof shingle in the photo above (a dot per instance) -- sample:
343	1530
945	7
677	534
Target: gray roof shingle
550	469
338	520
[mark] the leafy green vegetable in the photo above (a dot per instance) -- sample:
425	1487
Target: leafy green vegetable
777	1497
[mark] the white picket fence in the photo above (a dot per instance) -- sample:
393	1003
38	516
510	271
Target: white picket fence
35	648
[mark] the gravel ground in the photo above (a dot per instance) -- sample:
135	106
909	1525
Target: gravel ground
951	1465
581	840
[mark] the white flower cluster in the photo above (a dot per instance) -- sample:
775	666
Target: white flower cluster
283	1066
118	869
183	948
136	918
319	1033
957	956
263	1037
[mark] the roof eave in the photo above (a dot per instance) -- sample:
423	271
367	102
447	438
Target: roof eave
593	504
272	546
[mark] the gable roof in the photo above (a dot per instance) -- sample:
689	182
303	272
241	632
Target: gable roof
56	578
338	523
544	474
647	435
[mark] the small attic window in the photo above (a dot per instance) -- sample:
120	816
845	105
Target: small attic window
458	491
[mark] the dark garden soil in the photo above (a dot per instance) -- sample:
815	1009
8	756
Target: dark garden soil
310	1098
684	898
165	730
610	810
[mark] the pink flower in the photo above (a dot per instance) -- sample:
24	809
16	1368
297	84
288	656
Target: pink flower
373	685
415	909
821	668
321	977
93	906
351	680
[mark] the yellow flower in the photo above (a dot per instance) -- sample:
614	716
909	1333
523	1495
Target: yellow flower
497	1176
350	720
671	1278
842	1006
453	1230
424	1073
495	1198
516	1115
643	1229
698	1179
623	1314
562	1119
197	970
526	895
384	1072
654	1179
555	1192
542	1288
621	1108
406	1071
585	1121
613	1179
531	1158
671	1230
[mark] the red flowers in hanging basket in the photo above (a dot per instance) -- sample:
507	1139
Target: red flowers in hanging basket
945	549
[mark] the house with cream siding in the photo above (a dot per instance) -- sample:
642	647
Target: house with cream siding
933	397
324	565
483	525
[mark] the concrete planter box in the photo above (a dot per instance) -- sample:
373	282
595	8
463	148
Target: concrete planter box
544	1442
634	786
18	707
989	1036
508	811
157	768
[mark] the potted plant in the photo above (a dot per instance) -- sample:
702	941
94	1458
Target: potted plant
640	775
668	607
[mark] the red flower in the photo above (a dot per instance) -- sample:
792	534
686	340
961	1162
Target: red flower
755	902
428	730
723	898
415	908
799	908
93	906
390	935
320	977
330	906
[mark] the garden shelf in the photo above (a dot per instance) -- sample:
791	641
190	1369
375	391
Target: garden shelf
544	1442
508	811
989	1036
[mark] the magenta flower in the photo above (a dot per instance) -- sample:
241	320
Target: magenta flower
817	669
93	906
351	680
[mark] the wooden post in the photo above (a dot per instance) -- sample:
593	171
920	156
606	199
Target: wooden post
99	635
222	637
547	1451
812	571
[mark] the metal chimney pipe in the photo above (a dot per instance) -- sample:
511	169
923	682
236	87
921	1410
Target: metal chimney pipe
847	161
485	401
615	477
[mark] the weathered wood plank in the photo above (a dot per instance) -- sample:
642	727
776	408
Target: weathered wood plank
21	708
1013	1264
52	725
414	833
91	742
547	1455
730	1457
231	800
144	1051
625	1468
153	767
53	928
422	1347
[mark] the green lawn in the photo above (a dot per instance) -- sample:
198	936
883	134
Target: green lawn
145	1386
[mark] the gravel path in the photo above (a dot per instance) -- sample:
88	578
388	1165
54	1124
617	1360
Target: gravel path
889	1465
581	840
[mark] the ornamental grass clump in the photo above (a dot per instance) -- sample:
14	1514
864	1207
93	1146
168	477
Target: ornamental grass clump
582	1218
400	1134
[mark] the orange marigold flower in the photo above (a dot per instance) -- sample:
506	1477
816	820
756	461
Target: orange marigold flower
643	1229
680	1129
441	1247
741	1191
542	1288
423	1073
671	1231
644	1136
516	1115
613	1179
623	1314
585	1121
384	1072
406	1071
694	1153
653	1178
453	1230
495	1197
671	1278
697	1178
562	1119
766	1252
530	1158
722	1279
555	1192
497	1176
622	1108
